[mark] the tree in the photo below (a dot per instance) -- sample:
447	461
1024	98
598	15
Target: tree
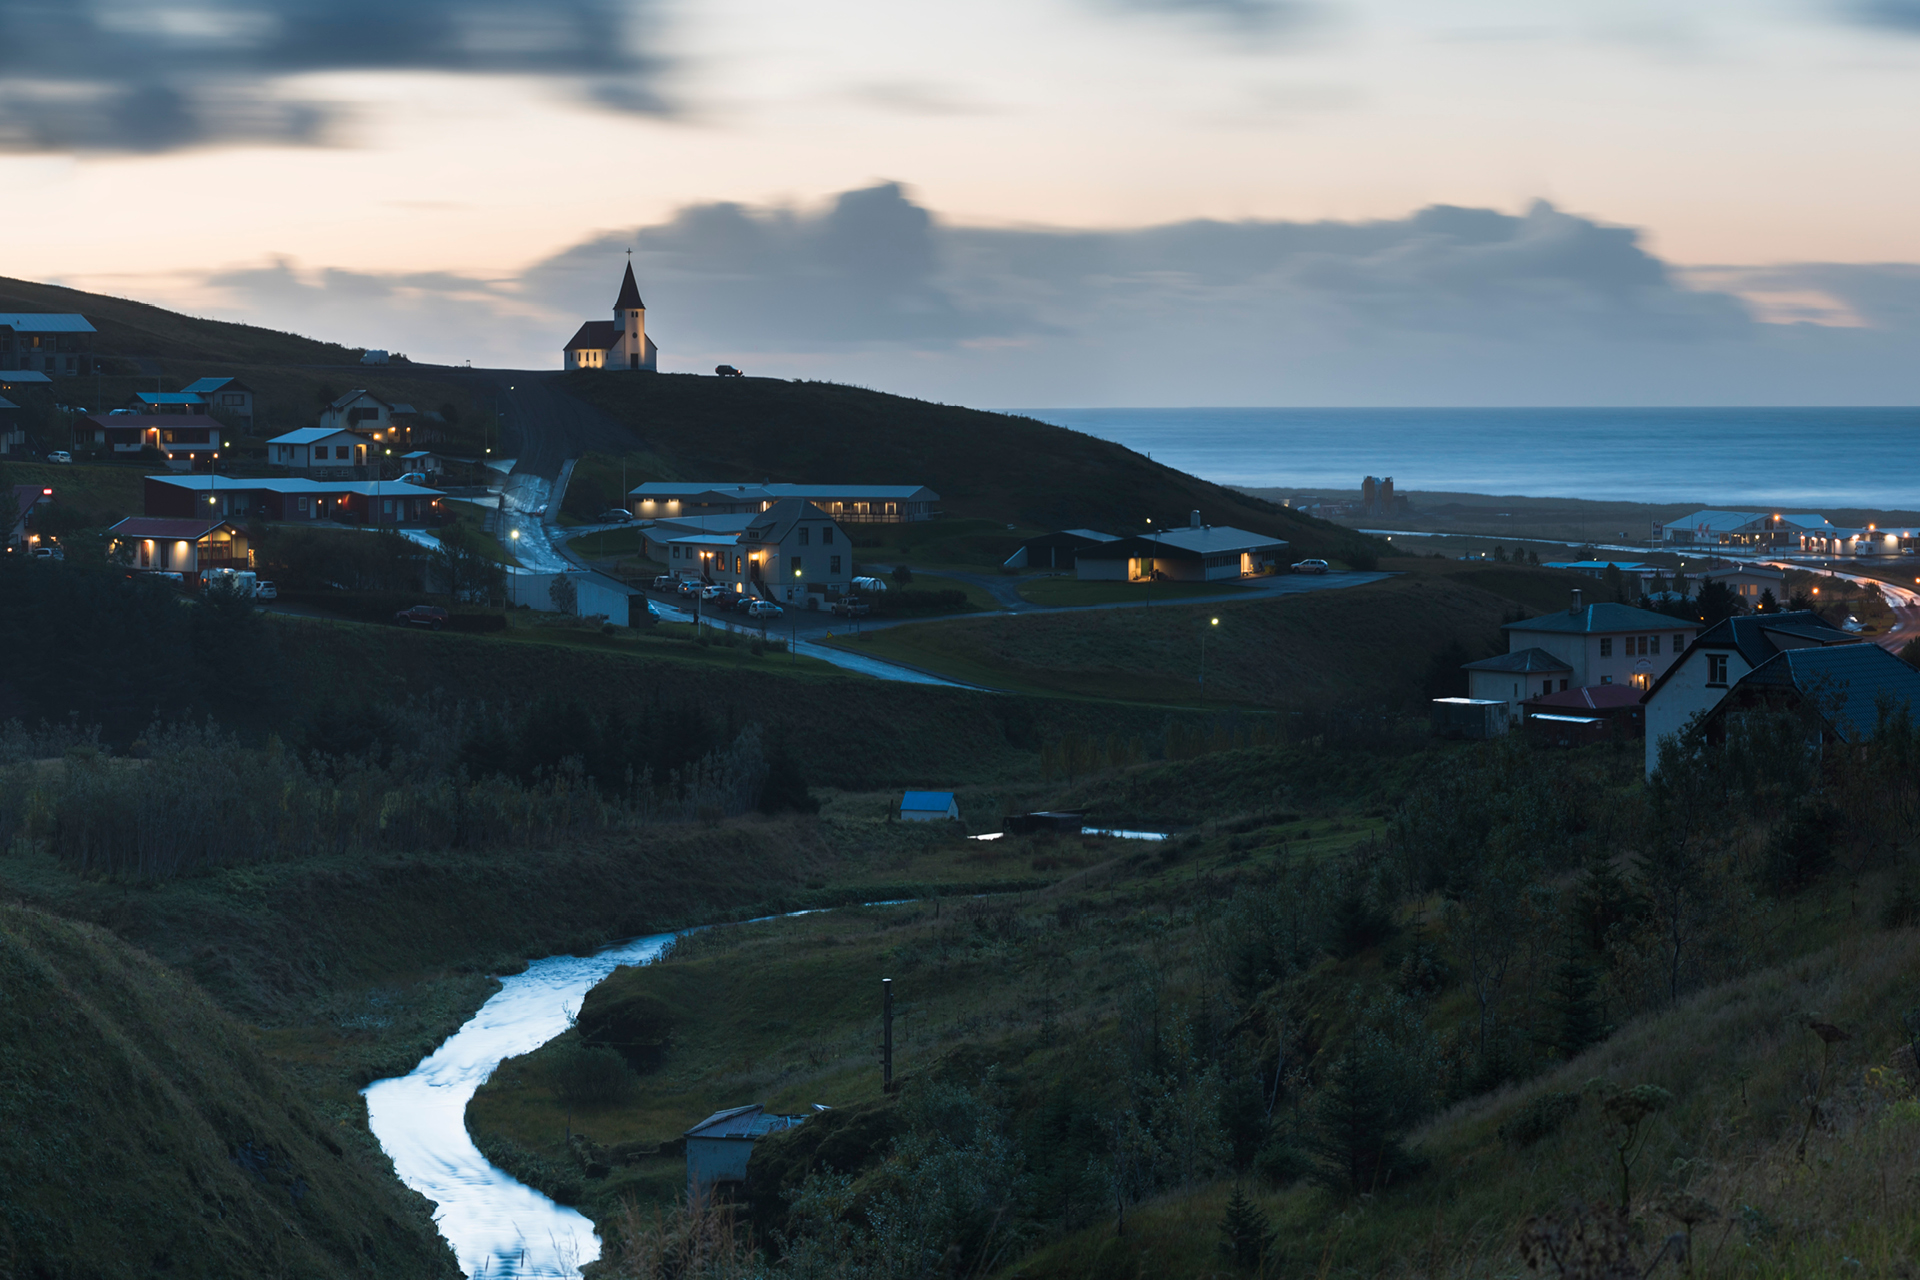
564	595
464	565
1768	602
902	574
1909	652
1716	602
1575	1012
1616	582
1358	1122
1245	1235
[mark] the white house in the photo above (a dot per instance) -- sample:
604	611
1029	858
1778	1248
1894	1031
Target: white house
362	411
929	806
314	447
1751	581
1719	659
1605	643
621	343
229	395
793	552
1512	678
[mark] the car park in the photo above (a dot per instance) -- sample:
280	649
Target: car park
430	616
1311	566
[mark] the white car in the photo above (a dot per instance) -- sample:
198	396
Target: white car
1311	566
764	609
712	591
59	455
265	591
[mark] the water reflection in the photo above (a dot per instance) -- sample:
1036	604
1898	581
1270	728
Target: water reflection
498	1227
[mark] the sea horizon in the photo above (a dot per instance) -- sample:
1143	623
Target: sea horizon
1867	457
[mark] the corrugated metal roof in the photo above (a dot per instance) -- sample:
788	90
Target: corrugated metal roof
206	385
747	1122
1522	660
939	801
44	322
1602	619
17	376
165	527
1844	684
169	397
307	435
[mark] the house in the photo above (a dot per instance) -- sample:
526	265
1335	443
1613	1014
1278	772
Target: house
229	395
656	536
1756	529
10	380
1752	581
18	514
1615	707
1721	657
1197	553
387	502
1837	691
793	551
852	503
367	413
621	343
185	438
928	806
1605	643
719	1147
167	402
320	448
1512	678
58	345
1057	550
188	546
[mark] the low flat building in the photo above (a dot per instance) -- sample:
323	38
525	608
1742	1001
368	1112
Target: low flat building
188	546
56	344
929	806
1756	530
1197	553
1720	658
293	499
1058	550
719	1147
186	439
852	503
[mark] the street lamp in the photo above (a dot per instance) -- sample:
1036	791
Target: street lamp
1211	623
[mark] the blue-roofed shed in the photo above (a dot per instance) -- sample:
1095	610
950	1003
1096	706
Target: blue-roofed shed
719	1147
928	806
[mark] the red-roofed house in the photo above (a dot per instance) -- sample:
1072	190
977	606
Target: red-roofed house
1603	710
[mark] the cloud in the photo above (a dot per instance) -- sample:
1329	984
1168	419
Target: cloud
1241	17
1447	305
1895	15
124	75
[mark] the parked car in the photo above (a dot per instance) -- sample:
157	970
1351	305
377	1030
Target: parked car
763	609
712	591
265	591
49	553
1311	566
665	582
850	607
59	455
616	515
430	616
688	586
414	477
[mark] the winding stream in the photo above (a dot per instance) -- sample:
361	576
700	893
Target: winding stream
498	1226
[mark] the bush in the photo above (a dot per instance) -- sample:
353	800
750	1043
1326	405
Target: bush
1539	1118
588	1075
637	1027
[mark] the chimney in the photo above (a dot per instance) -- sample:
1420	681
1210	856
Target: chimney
1575	606
1193	520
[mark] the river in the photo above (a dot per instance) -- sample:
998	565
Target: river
498	1226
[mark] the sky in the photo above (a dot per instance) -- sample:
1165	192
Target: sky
1011	202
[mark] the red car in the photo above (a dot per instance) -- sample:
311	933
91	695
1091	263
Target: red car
430	616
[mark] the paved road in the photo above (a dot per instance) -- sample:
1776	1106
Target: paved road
1904	601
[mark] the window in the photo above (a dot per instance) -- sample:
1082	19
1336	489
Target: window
1563	686
676	553
1716	669
803	535
1606	646
1643	680
826	536
1655	642
833	565
303	504
340	452
1546	687
736	564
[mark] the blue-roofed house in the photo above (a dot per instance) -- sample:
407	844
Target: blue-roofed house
928	806
1837	692
1605	643
229	395
719	1147
154	402
57	344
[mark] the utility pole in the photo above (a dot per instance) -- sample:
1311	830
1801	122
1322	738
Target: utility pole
886	1035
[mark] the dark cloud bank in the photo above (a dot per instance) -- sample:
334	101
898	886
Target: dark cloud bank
1446	306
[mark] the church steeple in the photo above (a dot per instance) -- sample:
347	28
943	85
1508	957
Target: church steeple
629	299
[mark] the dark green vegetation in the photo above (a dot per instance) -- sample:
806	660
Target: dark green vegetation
144	1132
1423	1011
985	466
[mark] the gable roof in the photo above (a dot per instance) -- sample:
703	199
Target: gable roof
7	404
44	322
190	529
748	1123
295	485
206	386
936	801
169	397
1520	661
774	523
595	335
352	396
1213	539
307	435
1843	684
1601	619
1593	697
171	421
16	376
629	299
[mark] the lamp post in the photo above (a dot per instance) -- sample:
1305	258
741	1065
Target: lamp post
1211	623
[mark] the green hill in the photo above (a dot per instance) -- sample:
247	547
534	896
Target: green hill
142	1133
983	465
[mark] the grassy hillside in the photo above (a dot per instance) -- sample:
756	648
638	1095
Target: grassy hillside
142	1132
985	465
1371	646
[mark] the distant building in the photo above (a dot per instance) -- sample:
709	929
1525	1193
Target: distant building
186	545
853	503
1057	550
228	395
57	344
1573	649
21	499
186	439
1197	553
621	343
319	449
1377	497
13	436
1758	530
283	498
790	552
1752	581
929	806
364	411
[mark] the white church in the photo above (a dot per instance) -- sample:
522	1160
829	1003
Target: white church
621	343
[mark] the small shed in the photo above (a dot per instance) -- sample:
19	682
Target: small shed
1469	718
928	806
719	1146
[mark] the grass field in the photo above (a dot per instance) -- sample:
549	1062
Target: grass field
107	492
1057	590
607	544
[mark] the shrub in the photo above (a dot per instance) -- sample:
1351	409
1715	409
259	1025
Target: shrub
1540	1118
589	1075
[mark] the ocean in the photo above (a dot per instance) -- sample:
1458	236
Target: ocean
1738	458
